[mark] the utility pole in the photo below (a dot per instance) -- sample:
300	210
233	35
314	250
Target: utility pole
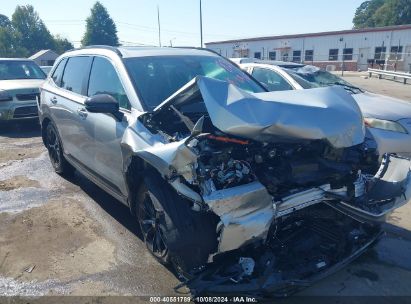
343	59
159	28
201	25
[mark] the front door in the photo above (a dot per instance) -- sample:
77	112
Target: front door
104	130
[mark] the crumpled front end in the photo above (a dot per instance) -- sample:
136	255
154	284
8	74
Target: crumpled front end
297	190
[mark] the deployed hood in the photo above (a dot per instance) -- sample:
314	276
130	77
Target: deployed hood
17	84
319	114
382	107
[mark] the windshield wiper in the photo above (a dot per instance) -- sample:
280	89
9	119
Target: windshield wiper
347	86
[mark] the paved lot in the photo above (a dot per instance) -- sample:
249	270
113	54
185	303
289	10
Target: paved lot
67	237
380	86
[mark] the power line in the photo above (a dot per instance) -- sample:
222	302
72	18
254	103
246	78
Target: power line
140	27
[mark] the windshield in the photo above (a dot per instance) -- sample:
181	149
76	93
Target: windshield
10	70
158	77
314	77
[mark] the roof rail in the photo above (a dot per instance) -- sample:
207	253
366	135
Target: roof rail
105	47
196	48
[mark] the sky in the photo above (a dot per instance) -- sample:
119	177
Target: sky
136	20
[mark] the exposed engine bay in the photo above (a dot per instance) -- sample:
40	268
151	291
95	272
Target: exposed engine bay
225	162
294	198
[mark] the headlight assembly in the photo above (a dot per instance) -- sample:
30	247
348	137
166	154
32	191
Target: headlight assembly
384	125
5	96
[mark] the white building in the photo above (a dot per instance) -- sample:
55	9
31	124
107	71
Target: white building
357	49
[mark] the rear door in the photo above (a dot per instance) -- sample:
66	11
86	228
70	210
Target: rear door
65	103
104	131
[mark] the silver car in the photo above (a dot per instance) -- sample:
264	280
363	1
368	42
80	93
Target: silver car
388	119
20	80
240	189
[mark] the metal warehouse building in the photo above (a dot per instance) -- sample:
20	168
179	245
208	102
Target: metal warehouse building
385	47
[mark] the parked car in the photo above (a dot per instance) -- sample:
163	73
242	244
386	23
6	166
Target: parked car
20	80
240	189
388	119
46	68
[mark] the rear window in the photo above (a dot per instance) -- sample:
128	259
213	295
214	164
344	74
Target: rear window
58	72
74	74
10	70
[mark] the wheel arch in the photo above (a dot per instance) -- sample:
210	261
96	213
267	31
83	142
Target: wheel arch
133	170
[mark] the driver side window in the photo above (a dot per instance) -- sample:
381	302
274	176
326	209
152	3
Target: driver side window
104	80
271	80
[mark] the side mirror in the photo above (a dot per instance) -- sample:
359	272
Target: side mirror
103	103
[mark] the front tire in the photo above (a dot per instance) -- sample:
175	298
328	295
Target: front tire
172	231
55	149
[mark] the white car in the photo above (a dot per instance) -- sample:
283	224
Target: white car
388	119
20	81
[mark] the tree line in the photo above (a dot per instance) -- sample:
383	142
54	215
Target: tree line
377	13
25	33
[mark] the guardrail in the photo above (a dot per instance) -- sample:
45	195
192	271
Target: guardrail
381	73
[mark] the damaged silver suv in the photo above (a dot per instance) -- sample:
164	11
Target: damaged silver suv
244	191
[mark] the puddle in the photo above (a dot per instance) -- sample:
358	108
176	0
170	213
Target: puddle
23	199
10	287
30	183
16	182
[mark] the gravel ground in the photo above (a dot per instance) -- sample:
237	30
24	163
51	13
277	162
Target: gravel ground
67	237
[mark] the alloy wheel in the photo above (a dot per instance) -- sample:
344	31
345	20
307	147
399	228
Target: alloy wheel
149	220
53	145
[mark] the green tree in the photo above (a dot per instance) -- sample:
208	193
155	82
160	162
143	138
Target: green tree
4	21
62	45
10	40
393	12
375	13
364	14
10	43
34	34
100	28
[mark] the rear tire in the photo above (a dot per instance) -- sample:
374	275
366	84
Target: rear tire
172	231
55	149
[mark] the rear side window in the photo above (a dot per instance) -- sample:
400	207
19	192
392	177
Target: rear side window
58	72
271	80
104	80
74	74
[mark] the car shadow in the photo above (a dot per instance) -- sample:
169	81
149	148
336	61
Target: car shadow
20	129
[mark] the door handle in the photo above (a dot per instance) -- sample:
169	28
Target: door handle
82	112
53	100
